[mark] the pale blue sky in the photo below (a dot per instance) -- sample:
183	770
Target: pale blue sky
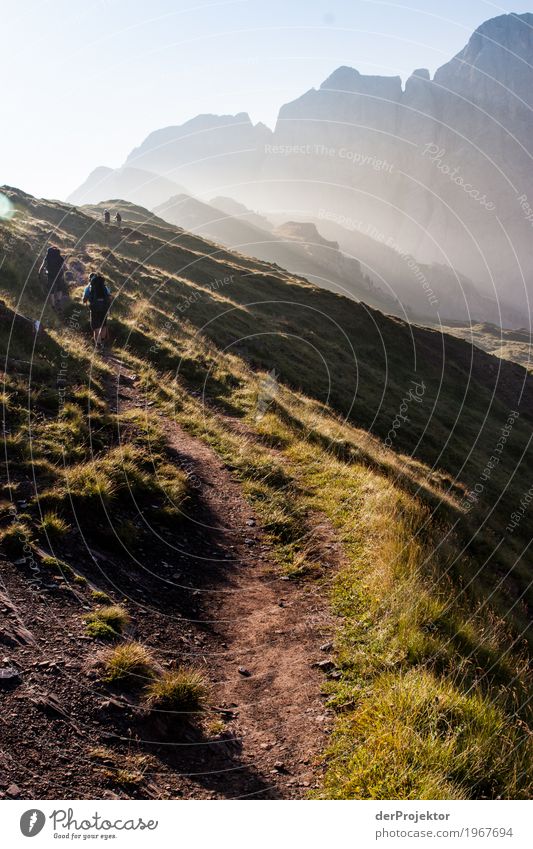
84	81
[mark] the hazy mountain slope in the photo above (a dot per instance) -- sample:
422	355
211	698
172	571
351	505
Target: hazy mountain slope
442	167
425	291
512	345
208	152
313	256
199	416
239	210
132	184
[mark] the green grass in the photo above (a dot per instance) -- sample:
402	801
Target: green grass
126	473
16	539
129	665
100	597
181	691
53	526
107	623
415	737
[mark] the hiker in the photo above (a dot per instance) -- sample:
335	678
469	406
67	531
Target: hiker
53	266
118	219
98	296
107	216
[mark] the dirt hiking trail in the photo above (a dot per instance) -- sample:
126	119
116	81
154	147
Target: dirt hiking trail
266	633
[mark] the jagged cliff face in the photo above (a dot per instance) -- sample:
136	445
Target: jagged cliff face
440	169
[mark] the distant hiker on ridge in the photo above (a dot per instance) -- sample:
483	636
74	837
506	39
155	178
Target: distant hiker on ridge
107	216
53	266
118	219
98	296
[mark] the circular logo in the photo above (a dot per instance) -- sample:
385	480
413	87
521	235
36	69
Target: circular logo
32	822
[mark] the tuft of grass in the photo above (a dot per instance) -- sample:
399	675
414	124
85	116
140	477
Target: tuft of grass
124	473
66	571
100	597
180	691
108	622
89	485
17	539
130	664
53	526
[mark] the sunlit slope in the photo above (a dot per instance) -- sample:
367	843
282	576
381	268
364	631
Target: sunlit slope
310	400
432	396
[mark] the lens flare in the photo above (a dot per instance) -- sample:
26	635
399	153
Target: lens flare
7	209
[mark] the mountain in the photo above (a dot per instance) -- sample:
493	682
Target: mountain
268	514
432	292
239	210
131	184
512	345
296	247
355	265
434	168
305	233
439	170
209	152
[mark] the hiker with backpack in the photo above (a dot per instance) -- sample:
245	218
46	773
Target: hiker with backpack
107	216
98	296
118	219
53	271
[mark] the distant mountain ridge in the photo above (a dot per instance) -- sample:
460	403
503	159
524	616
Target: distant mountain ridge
441	167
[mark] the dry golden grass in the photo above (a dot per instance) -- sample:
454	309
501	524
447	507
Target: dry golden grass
181	691
129	664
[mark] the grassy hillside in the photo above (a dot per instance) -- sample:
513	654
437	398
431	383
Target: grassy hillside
514	345
413	448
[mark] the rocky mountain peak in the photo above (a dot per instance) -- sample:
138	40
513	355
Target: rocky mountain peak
496	60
